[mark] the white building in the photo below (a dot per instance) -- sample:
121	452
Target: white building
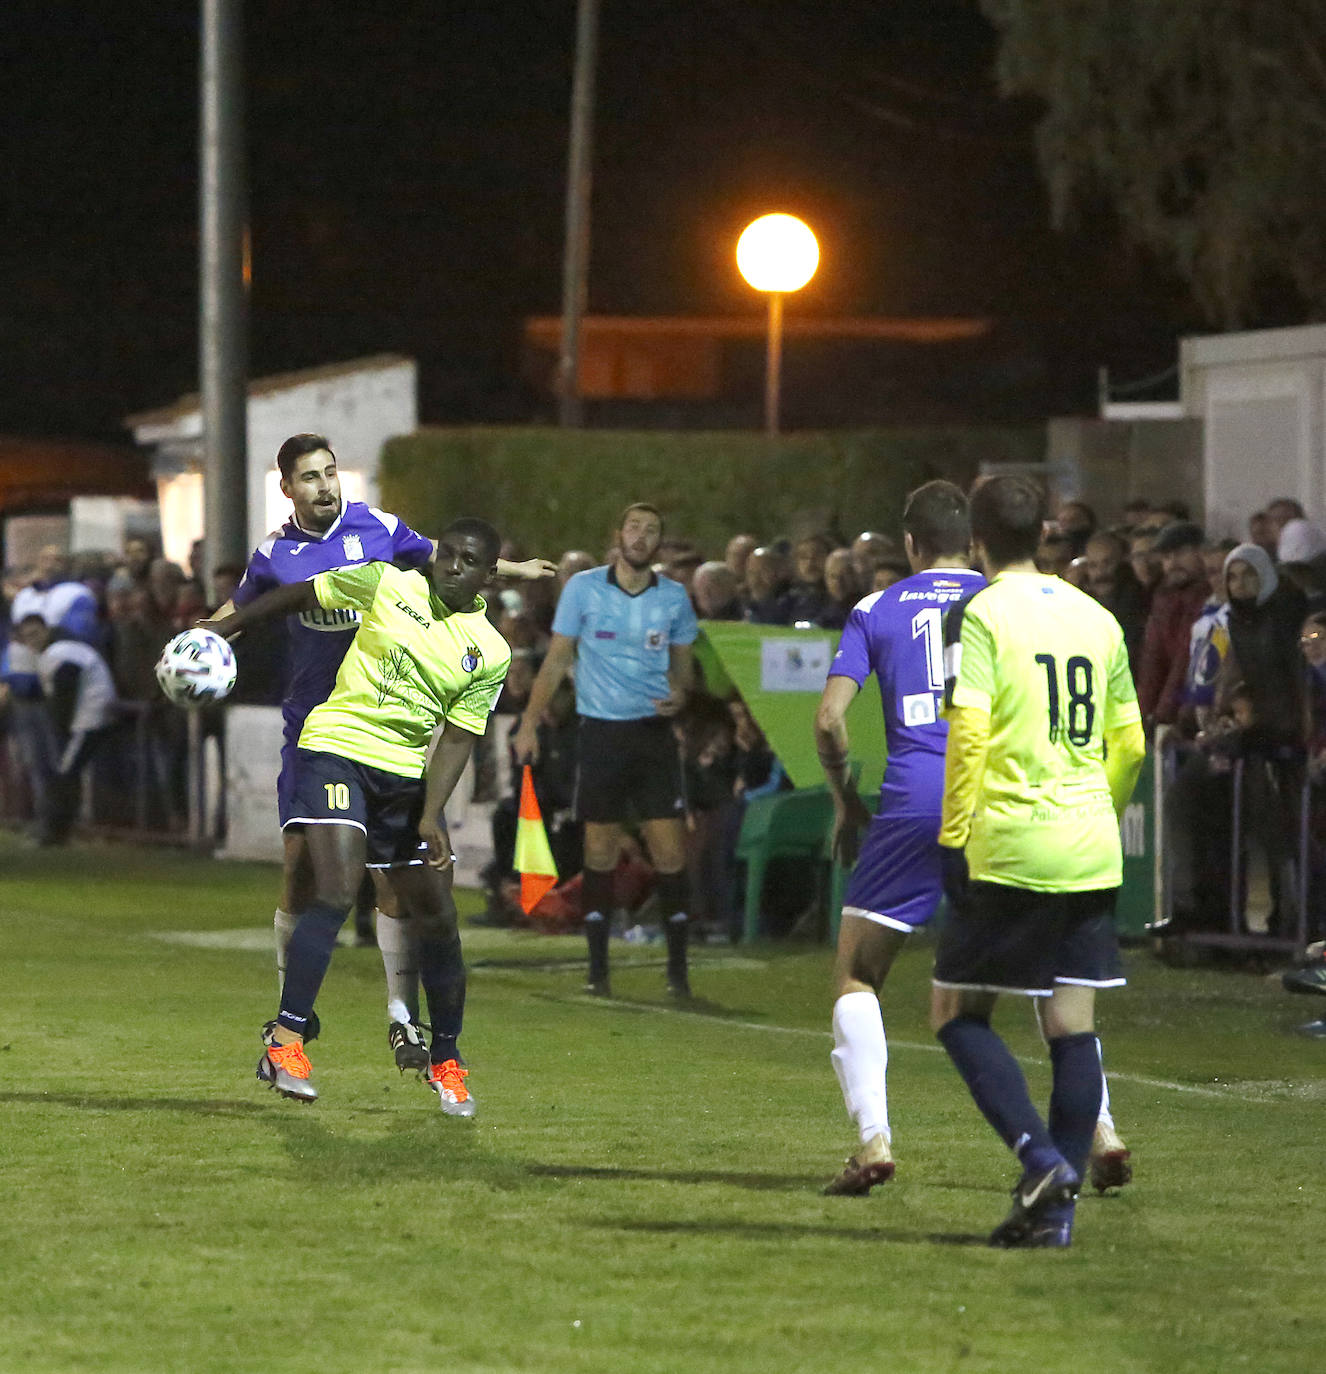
358	405
1261	397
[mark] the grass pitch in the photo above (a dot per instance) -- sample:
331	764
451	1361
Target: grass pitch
640	1189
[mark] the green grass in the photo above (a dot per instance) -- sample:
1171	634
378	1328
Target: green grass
639	1191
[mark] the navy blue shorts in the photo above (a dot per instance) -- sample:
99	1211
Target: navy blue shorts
330	790
1009	939
896	881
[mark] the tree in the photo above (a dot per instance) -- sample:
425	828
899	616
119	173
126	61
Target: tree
1201	122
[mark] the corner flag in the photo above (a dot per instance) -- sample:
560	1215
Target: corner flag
534	860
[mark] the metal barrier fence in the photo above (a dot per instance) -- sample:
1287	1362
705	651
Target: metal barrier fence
1282	797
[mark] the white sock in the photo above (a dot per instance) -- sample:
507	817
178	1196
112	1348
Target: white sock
1105	1118
860	1059
400	962
283	923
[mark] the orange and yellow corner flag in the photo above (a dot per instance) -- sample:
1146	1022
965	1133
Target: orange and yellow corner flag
534	860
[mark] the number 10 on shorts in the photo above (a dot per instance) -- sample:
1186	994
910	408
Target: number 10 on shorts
338	796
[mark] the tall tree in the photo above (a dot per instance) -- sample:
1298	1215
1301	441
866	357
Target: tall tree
1201	122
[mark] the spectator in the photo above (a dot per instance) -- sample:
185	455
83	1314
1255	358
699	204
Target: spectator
138	556
1208	643
842	591
737	555
224	581
1265	617
808	597
886	574
716	592
163	581
706	735
1136	511
1112	581
767	601
1262	532
1177	603
572	562
680	564
190	605
1077	573
1145	563
1302	557
79	694
1054	554
198	561
64	604
1077	523
871	550
1281	511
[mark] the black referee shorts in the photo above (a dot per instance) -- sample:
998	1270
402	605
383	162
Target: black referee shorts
1010	939
628	770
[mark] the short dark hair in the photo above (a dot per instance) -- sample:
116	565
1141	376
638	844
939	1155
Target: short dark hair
938	519
1007	515
296	447
644	506
473	527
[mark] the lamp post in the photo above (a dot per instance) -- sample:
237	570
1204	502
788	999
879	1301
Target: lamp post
776	254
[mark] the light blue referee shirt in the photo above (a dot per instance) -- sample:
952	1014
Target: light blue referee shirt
624	639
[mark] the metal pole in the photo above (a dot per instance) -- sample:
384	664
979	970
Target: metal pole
223	283
579	182
773	372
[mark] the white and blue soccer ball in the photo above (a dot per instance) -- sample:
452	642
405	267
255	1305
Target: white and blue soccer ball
197	668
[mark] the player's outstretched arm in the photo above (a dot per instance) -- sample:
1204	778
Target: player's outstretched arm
451	752
556	664
287	600
529	570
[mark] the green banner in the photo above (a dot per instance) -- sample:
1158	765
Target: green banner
780	674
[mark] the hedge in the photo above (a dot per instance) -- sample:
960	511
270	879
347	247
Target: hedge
555	489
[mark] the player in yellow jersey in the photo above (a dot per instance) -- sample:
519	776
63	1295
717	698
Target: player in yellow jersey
376	764
1045	744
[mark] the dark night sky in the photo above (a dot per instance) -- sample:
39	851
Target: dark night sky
406	187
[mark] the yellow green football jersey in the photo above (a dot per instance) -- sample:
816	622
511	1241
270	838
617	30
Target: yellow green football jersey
412	665
1049	666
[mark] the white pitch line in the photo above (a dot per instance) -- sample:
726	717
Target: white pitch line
1114	1075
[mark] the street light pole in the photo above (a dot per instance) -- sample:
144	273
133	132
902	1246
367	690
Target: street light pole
773	371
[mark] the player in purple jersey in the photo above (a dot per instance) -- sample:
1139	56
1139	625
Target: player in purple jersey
324	533
896	885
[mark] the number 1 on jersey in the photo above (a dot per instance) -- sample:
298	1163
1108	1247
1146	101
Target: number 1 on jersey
928	625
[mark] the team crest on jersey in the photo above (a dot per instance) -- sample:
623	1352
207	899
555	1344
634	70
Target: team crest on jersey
353	545
470	663
654	639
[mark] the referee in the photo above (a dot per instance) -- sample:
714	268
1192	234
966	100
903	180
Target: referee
1045	744
629	633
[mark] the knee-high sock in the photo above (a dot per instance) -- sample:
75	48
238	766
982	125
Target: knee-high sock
283	926
597	896
307	957
400	962
442	972
674	898
998	1088
860	1058
1075	1098
1105	1116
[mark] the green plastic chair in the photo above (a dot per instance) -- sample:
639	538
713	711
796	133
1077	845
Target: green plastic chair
784	825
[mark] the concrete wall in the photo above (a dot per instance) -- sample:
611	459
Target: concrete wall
1260	396
1108	463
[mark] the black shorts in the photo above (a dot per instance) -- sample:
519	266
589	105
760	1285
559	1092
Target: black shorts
331	790
1008	939
628	770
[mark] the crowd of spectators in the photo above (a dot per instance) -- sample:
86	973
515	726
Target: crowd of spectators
1227	640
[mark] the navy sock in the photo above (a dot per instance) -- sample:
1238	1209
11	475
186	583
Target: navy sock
307	958
998	1088
673	898
1075	1099
442	974
597	897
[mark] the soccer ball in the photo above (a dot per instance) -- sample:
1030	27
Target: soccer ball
196	668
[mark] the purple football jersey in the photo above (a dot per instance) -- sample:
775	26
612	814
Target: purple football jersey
898	635
318	639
